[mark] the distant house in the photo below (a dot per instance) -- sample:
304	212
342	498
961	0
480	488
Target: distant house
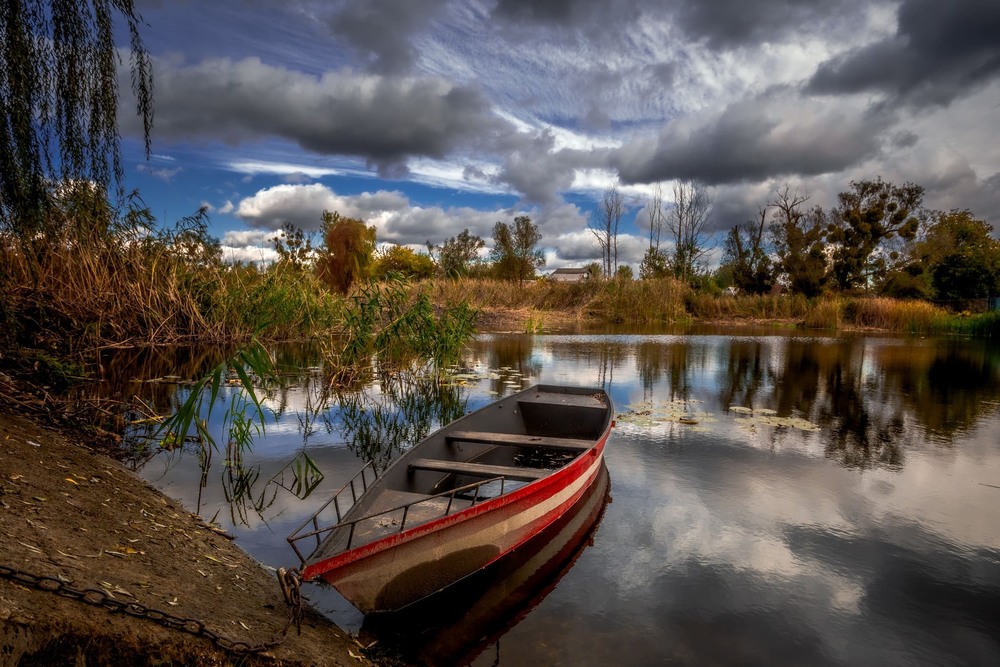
569	275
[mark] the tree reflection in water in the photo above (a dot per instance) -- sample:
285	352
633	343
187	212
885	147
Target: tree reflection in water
869	397
378	425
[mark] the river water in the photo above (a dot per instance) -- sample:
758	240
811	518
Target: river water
778	500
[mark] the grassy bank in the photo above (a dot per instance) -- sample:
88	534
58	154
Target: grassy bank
668	301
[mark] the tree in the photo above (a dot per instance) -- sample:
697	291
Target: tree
604	227
869	216
403	261
799	243
654	263
294	247
960	256
515	253
746	255
593	270
457	253
59	101
346	255
688	223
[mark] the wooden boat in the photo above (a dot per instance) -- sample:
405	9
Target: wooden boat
456	625
460	499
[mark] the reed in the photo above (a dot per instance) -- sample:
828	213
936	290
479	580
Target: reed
985	325
826	313
639	301
896	315
746	307
610	301
142	291
392	324
278	303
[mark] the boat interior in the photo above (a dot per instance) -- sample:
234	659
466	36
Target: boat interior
483	455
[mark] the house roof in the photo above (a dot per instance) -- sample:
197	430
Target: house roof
563	272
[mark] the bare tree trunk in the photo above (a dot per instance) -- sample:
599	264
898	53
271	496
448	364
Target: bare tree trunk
688	223
612	209
654	209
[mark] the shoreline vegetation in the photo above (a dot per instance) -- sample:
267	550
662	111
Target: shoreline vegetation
74	296
95	278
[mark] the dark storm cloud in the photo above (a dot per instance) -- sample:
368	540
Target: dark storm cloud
721	24
383	119
533	166
381	31
728	24
773	135
565	12
941	51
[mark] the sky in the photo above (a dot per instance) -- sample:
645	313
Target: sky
427	117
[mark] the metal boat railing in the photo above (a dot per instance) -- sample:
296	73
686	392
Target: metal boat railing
318	532
351	486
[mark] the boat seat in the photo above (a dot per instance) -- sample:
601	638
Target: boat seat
518	440
479	469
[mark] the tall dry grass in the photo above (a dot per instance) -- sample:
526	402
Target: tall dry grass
73	295
826	313
747	307
609	301
878	313
639	301
896	315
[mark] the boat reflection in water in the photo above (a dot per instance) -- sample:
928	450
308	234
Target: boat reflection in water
454	626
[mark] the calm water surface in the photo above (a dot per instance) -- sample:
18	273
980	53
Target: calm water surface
836	502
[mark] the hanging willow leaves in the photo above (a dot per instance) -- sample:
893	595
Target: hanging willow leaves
59	69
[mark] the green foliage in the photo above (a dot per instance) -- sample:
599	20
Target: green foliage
59	96
401	260
347	253
625	273
986	325
800	244
386	323
515	254
197	407
746	255
294	247
654	265
458	254
960	256
870	215
594	269
278	303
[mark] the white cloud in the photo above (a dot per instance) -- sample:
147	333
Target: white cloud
166	175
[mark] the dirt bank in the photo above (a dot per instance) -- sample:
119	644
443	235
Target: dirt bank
83	519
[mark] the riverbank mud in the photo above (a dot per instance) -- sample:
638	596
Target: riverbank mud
84	520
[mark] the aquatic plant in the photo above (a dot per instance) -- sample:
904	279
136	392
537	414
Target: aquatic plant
201	399
387	324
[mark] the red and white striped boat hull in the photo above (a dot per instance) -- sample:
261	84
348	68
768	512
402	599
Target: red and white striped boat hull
401	569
